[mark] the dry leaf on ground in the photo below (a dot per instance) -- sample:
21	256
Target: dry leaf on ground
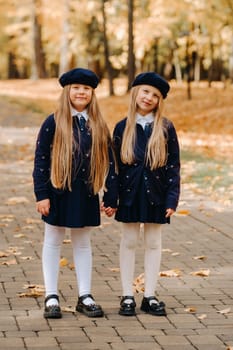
4	255
182	212
34	291
170	273
9	262
224	311
202	317
202	273
63	262
17	200
200	257
68	309
190	309
138	283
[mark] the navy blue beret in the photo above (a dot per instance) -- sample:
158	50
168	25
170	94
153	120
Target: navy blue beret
79	76
153	79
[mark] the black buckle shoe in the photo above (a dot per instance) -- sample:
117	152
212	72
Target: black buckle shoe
157	308
127	309
52	311
92	310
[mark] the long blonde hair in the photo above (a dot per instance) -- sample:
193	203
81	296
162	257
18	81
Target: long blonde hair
156	153
64	144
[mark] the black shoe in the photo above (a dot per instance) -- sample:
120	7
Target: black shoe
127	309
53	311
156	308
92	310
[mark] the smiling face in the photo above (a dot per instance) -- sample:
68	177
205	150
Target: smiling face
80	96
147	99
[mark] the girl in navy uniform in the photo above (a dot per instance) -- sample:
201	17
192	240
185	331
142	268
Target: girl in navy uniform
73	159
147	153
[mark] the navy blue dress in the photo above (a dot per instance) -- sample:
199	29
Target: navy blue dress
145	194
80	207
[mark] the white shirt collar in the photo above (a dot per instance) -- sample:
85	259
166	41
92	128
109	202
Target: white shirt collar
143	120
74	112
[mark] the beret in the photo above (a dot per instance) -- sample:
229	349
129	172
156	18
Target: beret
79	76
153	79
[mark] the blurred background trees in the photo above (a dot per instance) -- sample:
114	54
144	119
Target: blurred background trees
189	40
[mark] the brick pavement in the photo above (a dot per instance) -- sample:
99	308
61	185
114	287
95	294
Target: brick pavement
206	232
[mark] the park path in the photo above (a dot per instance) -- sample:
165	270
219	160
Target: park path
197	255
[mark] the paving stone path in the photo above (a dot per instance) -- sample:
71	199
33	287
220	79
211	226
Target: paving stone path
200	308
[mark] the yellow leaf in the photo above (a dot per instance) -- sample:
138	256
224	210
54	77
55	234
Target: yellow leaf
9	262
67	241
201	257
170	273
17	200
202	273
190	309
4	255
20	235
182	212
202	317
114	269
225	311
68	309
63	262
32	221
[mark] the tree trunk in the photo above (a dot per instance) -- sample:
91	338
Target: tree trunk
38	69
64	61
131	56
106	51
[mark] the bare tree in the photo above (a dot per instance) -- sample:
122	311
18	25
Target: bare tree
131	55
108	65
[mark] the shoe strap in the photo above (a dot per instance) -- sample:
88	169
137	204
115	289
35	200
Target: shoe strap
128	297
85	296
51	296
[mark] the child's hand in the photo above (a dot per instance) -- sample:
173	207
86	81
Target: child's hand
169	212
109	211
43	207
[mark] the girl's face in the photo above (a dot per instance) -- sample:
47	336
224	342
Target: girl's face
147	99
80	96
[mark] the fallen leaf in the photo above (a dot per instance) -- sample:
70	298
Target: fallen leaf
4	255
138	283
170	273
229	348
190	309
225	311
166	250
67	241
63	262
68	309
202	317
9	262
26	258
34	291
202	273
201	257
114	269
20	235
71	267
32	221
17	200
175	254
182	212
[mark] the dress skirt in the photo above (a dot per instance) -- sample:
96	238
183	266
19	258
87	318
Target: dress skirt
73	209
141	210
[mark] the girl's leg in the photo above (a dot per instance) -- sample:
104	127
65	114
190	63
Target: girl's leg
82	252
53	238
152	259
130	233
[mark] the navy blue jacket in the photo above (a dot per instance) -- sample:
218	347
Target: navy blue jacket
162	184
81	165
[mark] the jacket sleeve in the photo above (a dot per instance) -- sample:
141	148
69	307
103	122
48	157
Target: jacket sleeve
172	169
110	197
42	160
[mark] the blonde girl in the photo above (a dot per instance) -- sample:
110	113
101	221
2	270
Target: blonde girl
147	153
73	161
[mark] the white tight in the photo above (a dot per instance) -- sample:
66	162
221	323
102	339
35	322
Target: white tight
82	254
152	257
